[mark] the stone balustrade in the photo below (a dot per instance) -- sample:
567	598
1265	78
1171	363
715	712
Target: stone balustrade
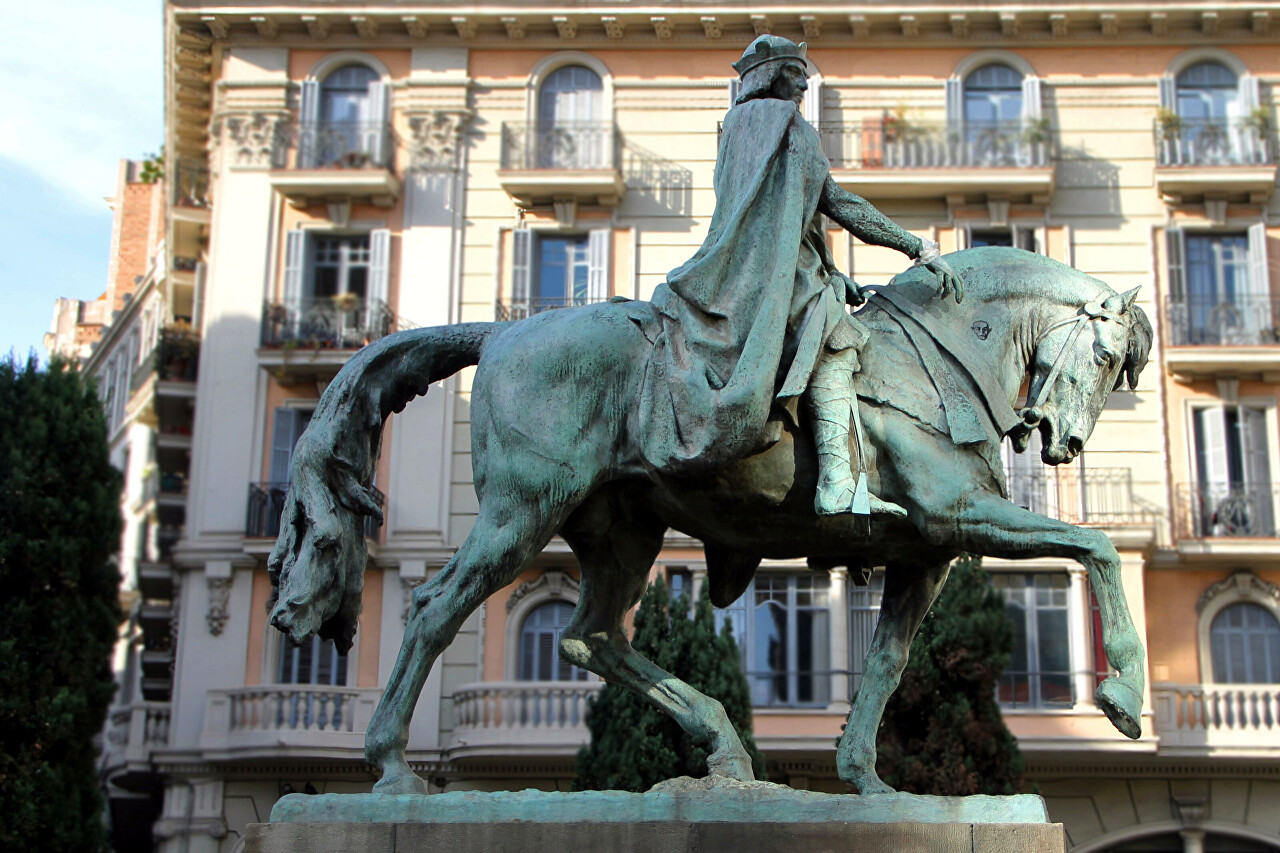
517	715
1217	717
287	718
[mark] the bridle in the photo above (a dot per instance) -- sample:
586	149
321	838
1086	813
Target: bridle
1088	312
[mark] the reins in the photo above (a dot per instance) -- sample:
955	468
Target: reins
1088	312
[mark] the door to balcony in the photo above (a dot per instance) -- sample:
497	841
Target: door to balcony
1232	495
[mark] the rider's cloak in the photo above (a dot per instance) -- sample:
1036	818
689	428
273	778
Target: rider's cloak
745	319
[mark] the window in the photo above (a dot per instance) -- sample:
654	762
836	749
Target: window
340	264
335	289
993	96
1220	288
344	120
1039	672
1245	639
782	625
571	129
289	425
864	614
1207	105
1232	494
540	645
316	661
556	270
1023	238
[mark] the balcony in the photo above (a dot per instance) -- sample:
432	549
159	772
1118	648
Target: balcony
266	505
1218	719
575	161
133	733
1226	519
1210	336
521	717
283	719
889	158
1102	497
337	322
1212	156
191	190
524	308
327	161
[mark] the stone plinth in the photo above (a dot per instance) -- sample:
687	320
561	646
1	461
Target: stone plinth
683	814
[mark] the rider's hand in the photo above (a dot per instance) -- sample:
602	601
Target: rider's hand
852	294
948	281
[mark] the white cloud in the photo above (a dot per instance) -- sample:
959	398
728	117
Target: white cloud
80	87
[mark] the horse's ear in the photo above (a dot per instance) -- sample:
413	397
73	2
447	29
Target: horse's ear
1121	302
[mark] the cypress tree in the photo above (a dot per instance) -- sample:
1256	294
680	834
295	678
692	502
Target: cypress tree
59	526
634	745
942	731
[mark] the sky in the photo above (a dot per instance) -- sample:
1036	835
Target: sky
81	86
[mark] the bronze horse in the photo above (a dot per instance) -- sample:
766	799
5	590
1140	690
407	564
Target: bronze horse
553	451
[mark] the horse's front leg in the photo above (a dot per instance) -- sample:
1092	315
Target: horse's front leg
994	527
909	592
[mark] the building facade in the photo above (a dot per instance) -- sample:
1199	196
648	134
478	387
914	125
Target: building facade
341	171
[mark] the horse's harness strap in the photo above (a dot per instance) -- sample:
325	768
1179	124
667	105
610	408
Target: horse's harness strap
1089	311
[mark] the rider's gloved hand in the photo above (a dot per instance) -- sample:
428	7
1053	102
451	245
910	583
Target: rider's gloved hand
852	294
948	281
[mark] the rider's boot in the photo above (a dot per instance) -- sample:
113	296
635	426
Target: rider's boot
830	399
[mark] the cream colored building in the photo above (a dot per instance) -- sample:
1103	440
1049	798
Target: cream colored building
339	171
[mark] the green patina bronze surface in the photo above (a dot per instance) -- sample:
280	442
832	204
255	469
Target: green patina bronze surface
610	424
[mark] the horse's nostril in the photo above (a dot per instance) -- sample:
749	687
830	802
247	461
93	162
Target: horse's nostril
1075	445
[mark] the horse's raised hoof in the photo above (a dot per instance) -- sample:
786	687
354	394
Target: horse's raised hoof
1122	705
400	780
733	764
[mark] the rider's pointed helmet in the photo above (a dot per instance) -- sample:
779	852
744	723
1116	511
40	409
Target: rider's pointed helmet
769	48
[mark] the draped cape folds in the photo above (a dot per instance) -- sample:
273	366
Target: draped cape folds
744	321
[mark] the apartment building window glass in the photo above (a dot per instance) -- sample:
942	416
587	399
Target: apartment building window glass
864	614
340	264
344	95
344	120
993	95
1208	91
555	270
571	132
1245	640
1220	288
782	625
1232	495
289	425
540	645
1039	672
314	662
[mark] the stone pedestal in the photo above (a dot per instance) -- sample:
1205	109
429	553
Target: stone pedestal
703	815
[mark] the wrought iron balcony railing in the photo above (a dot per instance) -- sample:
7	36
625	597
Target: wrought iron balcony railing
1213	510
266	505
340	145
1237	321
1102	496
519	309
1210	142
892	144
561	145
336	322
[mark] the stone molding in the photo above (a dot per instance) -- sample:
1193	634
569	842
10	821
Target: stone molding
1246	585
219	596
435	139
552	584
254	140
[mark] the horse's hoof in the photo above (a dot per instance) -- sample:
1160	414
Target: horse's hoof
1122	705
733	766
871	784
400	782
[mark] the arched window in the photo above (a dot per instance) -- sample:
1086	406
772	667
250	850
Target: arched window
1207	91
344	94
344	119
993	95
314	662
540	645
571	131
1245	643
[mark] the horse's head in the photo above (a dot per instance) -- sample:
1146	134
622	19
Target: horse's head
317	565
1076	365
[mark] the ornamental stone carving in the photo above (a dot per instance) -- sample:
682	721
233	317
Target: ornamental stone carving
555	583
254	140
219	595
1245	584
435	140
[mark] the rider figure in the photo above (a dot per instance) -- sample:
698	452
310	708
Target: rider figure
756	318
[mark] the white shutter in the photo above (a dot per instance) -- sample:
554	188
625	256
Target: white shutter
955	103
284	433
1031	110
813	101
376	137
294	264
1257	469
1175	241
598	265
1211	451
735	89
308	117
1252	144
1168	93
1249	95
521	251
379	265
1259	278
197	304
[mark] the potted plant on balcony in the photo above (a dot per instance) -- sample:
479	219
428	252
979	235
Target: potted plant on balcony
346	302
897	125
1036	131
1168	123
179	349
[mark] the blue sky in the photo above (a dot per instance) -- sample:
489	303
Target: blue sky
81	85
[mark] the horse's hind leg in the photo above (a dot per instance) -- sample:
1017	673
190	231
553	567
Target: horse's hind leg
909	592
498	548
616	546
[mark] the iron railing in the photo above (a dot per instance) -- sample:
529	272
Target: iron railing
337	322
341	145
1245	320
190	184
893	144
1102	496
1212	510
559	145
266	505
1210	142
519	309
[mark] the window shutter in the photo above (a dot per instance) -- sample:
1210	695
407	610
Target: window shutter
735	89
1259	278
598	265
955	103
1175	241
521	249
1031	109
379	265
294	265
813	101
308	117
283	435
1211	450
197	304
1168	93
1249	95
376	137
1257	469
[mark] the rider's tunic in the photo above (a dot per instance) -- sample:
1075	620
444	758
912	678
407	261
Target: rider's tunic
745	319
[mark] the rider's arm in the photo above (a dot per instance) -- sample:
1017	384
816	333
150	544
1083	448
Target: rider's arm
860	217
